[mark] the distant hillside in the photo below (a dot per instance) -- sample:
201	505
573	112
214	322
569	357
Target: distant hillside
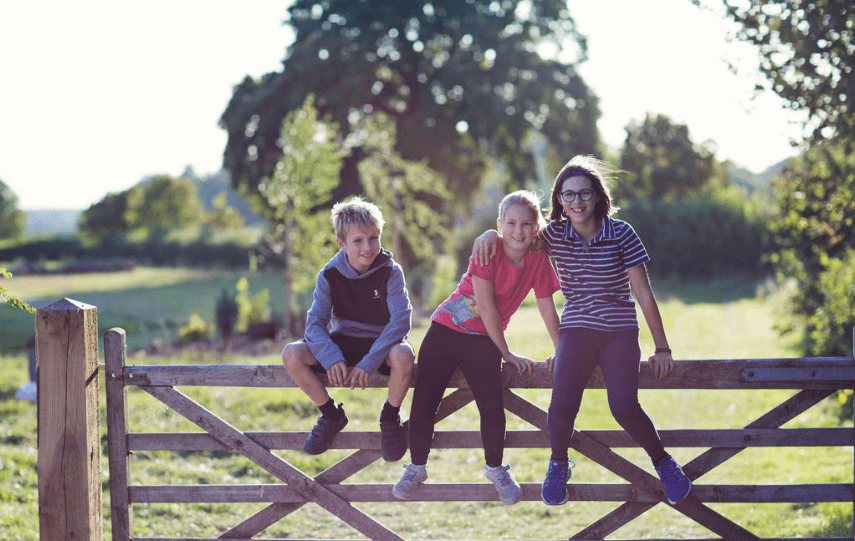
210	186
50	222
756	181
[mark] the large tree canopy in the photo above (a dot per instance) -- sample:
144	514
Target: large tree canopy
458	78
807	54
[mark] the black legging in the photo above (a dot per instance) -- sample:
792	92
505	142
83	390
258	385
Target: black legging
441	351
618	355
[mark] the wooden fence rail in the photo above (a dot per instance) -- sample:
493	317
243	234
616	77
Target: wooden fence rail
814	378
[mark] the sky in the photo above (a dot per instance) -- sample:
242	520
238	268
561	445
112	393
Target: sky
98	94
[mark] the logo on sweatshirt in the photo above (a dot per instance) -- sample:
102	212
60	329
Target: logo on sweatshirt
376	294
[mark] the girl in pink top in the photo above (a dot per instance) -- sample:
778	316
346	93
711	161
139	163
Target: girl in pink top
467	331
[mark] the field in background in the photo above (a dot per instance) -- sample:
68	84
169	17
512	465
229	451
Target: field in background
704	321
149	303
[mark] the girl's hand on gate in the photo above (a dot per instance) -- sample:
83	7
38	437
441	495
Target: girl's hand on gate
661	364
550	363
337	374
523	364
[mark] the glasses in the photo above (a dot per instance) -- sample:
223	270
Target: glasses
585	195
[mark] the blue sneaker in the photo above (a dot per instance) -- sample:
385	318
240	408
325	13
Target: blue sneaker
677	484
554	489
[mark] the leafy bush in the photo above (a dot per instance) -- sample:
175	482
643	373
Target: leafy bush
152	253
251	308
704	236
197	329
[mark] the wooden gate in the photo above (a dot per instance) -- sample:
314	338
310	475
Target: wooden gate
815	378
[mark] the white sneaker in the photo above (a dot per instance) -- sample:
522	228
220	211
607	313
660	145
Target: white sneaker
509	490
409	483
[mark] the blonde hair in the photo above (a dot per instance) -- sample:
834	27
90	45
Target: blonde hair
529	200
355	212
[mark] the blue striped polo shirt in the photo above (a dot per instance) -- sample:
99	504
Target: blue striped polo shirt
594	277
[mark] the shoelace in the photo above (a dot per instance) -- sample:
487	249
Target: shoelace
503	478
563	470
669	473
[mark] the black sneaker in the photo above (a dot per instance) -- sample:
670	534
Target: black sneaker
393	440
324	432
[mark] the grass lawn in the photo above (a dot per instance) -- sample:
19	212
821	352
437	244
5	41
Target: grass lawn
149	303
703	322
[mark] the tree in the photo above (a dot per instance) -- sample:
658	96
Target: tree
12	220
149	209
662	162
223	216
407	192
167	203
107	218
297	198
815	237
459	79
807	56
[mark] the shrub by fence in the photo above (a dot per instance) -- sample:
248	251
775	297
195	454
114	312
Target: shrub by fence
65	342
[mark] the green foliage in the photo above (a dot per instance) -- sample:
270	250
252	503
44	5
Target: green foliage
407	192
12	220
662	162
443	280
200	253
223	216
250	308
297	197
106	218
226	314
10	299
148	210
168	203
806	56
721	233
460	79
815	237
196	330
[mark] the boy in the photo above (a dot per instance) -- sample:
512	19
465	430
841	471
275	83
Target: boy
361	291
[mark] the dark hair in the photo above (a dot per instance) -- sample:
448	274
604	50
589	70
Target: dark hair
598	172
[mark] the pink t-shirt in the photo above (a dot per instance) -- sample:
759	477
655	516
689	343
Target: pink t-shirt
511	286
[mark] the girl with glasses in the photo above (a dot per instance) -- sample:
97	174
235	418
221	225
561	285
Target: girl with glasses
600	264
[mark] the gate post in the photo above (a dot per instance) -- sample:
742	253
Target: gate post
115	356
69	438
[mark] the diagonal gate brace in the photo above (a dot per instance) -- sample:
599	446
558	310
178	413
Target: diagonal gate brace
307	487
